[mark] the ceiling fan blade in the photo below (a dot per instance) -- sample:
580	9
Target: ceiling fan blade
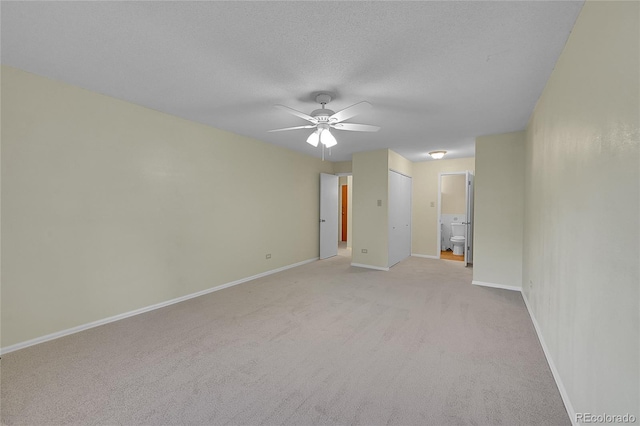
356	127
351	111
297	113
310	126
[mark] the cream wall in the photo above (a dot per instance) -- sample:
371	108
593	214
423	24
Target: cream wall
342	167
370	184
499	209
399	164
453	194
370	220
581	273
424	221
109	207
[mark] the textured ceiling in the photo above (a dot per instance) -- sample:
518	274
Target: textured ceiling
437	73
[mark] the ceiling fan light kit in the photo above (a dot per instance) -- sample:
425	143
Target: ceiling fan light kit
313	139
324	119
437	155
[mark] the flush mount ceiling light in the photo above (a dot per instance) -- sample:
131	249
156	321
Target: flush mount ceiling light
436	155
324	119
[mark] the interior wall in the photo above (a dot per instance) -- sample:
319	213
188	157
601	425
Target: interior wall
499	209
581	273
109	207
370	208
424	222
453	194
399	164
342	167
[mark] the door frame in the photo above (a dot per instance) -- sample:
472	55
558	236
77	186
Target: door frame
465	173
349	191
344	213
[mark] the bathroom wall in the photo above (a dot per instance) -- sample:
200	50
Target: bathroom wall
453	194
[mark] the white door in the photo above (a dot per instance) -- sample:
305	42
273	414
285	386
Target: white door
468	252
328	215
399	217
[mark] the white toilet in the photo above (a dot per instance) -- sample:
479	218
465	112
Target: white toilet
457	237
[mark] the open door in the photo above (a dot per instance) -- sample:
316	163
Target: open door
468	252
328	215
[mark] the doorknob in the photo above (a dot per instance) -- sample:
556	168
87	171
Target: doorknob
322	220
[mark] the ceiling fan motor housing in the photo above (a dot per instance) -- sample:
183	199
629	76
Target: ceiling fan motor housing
322	114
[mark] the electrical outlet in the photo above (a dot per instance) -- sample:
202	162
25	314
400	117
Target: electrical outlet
268	256
379	203
433	204
364	250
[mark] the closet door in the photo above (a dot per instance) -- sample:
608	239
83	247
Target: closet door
399	217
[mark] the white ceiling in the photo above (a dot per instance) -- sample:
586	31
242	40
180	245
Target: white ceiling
437	73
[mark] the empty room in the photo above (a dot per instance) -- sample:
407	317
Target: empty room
320	213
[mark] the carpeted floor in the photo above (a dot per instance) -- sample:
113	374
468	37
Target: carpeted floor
324	343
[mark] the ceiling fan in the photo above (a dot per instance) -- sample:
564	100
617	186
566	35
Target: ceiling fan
324	119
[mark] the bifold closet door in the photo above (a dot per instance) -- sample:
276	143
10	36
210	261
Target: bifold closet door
399	217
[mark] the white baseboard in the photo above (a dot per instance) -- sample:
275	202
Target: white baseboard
502	286
377	268
56	335
545	349
552	366
118	317
426	256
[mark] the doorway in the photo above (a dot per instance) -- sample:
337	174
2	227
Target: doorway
344	205
335	200
455	216
344	213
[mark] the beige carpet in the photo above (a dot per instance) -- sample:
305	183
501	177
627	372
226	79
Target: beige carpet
324	343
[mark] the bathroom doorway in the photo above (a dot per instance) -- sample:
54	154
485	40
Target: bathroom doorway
455	216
